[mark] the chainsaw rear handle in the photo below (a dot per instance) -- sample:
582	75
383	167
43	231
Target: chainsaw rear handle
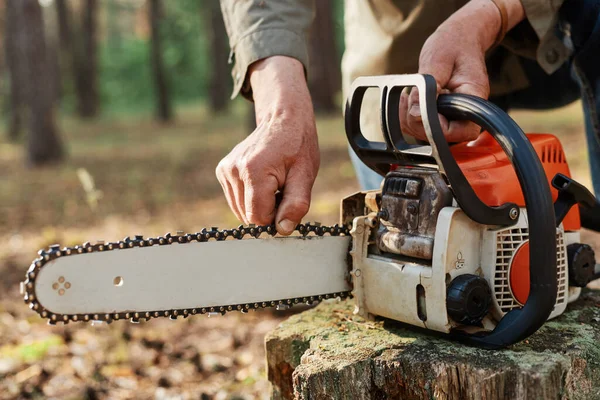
517	324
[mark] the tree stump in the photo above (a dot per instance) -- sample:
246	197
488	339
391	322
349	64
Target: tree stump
329	353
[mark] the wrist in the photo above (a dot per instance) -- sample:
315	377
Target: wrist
485	17
279	88
276	77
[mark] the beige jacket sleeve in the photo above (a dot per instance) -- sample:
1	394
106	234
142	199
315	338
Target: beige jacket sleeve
259	29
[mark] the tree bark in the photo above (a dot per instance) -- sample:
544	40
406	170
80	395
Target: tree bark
71	53
43	145
14	64
89	103
328	353
217	38
64	25
53	60
324	76
164	110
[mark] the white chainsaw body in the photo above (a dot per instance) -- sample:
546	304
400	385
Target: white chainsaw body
414	291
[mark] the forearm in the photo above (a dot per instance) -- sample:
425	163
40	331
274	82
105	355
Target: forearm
278	86
485	19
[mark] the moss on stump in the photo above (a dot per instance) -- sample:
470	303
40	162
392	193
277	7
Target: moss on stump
328	353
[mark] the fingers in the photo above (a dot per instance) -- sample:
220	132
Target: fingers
295	202
410	115
456	70
251	197
230	183
463	131
232	202
259	199
411	121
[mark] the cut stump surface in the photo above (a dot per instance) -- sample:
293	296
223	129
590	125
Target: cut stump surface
329	353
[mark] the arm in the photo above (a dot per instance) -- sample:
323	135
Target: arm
269	50
258	29
455	55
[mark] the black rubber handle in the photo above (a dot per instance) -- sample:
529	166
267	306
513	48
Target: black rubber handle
517	324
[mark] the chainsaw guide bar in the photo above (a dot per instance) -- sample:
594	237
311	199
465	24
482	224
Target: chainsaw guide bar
251	232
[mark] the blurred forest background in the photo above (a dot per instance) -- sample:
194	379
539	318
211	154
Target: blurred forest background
113	117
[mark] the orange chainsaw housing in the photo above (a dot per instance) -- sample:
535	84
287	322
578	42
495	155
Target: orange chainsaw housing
490	173
494	180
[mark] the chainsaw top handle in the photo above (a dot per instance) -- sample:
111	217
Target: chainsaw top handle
517	324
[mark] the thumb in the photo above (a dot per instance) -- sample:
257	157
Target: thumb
295	202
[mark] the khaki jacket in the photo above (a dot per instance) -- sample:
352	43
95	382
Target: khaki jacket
383	37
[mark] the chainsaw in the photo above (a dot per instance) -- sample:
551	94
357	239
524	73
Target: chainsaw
478	240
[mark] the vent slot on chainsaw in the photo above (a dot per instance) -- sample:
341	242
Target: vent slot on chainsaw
553	154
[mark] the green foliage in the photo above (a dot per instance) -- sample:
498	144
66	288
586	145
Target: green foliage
32	351
185	49
125	75
125	70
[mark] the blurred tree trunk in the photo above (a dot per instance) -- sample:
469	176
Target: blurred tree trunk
113	9
89	103
65	50
44	145
217	38
64	25
14	64
164	111
67	55
53	60
71	54
324	72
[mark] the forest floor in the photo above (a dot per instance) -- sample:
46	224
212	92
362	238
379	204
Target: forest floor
130	175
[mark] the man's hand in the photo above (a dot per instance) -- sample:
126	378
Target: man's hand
281	154
455	56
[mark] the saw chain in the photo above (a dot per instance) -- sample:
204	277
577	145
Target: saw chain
251	232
